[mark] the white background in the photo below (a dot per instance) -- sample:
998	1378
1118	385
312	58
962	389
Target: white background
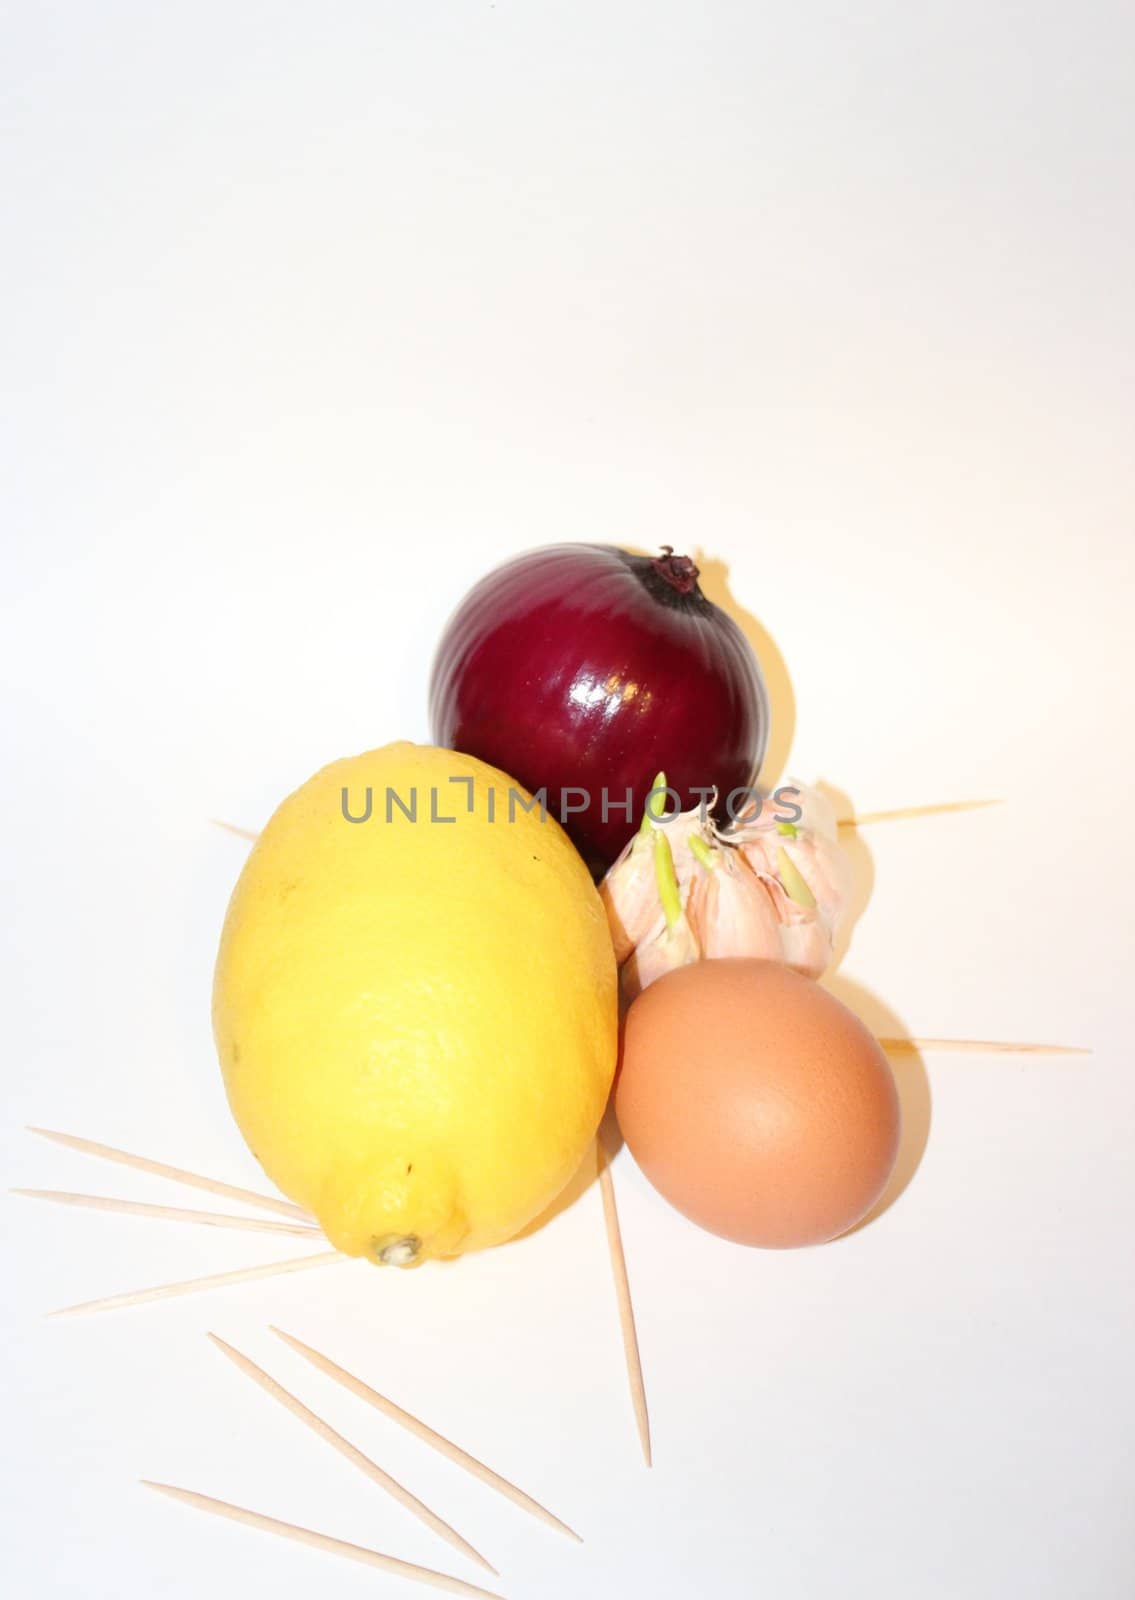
312	314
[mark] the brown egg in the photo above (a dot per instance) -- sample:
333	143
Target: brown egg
757	1103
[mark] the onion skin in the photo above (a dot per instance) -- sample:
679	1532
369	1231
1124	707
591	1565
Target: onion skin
581	666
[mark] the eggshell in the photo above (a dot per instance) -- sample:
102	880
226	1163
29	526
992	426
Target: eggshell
760	1106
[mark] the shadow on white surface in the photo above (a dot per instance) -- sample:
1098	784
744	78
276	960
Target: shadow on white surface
913	1086
714	580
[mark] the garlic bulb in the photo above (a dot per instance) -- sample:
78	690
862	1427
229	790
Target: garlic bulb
683	890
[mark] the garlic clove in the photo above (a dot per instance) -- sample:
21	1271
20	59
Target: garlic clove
826	870
805	940
794	886
630	896
632	885
679	832
820	862
758	851
647	897
732	912
663	950
806	947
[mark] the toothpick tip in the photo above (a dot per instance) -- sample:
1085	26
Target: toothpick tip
904	813
288	1338
232	827
918	1045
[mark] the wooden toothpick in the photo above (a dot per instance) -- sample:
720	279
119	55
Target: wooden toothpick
902	813
139	1208
437	1441
321	1541
980	1047
369	1468
231	1191
231	827
218	1280
623	1296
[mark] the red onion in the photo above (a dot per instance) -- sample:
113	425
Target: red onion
580	667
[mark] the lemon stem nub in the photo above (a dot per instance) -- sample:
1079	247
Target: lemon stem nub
666	879
399	1251
654	800
702	852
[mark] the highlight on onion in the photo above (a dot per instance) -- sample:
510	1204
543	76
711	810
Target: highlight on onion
581	670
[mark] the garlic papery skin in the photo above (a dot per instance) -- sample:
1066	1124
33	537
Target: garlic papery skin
826	869
820	863
659	953
806	943
806	948
630	896
732	912
818	812
817	815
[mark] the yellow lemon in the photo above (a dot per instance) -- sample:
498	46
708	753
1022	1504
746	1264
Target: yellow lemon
415	1004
